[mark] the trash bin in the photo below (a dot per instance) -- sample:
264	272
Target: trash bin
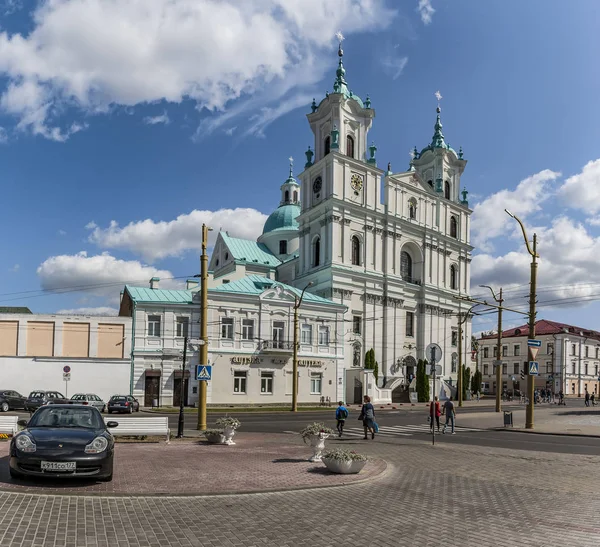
154	403
508	421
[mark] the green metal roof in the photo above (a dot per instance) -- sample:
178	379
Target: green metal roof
257	284
171	296
14	309
283	218
251	252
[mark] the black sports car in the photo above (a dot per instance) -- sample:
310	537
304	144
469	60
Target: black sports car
63	441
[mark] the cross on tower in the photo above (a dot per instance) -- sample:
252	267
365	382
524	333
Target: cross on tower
438	96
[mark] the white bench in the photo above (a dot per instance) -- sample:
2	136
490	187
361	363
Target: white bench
8	424
137	427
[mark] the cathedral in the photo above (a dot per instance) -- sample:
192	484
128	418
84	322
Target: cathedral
392	247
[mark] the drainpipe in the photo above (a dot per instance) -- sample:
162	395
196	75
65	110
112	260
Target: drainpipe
132	350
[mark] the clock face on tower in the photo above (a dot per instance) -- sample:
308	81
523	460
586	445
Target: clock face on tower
317	185
357	183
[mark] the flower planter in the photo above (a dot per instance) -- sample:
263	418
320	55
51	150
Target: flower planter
215	438
317	443
228	433
346	467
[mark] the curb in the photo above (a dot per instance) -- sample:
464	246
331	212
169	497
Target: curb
553	433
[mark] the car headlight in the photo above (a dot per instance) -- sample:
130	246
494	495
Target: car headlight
99	444
24	443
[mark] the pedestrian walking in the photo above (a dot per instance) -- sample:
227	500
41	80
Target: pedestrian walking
341	413
477	395
367	415
561	397
593	399
450	413
435	412
587	398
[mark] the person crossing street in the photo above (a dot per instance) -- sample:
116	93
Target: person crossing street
450	413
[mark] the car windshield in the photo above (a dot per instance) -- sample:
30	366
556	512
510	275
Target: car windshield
36	394
118	398
88	418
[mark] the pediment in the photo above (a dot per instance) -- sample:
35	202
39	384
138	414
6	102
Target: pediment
278	293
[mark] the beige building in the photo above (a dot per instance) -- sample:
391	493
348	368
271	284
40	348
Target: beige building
34	349
569	358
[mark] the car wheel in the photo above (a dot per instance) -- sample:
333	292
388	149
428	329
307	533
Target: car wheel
14	474
4	407
103	409
130	410
138	408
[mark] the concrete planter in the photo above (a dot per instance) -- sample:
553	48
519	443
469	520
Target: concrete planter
228	432
317	442
215	438
346	467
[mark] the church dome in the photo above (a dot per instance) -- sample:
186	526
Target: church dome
283	218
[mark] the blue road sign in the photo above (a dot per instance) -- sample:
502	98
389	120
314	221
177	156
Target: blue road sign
534	368
534	343
66	369
203	372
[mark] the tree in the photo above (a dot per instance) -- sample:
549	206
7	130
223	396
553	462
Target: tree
371	364
466	381
376	371
476	381
422	382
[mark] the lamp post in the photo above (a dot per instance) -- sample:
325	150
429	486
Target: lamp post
532	250
460	359
180	422
297	304
499	300
203	327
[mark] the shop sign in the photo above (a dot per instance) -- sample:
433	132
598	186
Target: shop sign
246	360
310	363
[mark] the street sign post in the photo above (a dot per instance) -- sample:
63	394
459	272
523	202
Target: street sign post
196	341
66	369
534	343
534	368
66	378
203	372
433	352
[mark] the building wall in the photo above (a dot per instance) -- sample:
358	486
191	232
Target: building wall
9	337
76	339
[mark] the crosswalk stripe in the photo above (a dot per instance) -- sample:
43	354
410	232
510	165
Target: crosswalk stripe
404	430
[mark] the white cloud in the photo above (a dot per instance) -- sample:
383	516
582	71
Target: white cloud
94	54
426	11
582	191
393	65
3	135
100	310
489	219
15	268
99	275
229	132
159	239
62	233
153	120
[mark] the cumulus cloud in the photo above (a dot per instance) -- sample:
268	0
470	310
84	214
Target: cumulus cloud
489	219
100	310
582	191
159	239
99	275
154	120
426	11
90	55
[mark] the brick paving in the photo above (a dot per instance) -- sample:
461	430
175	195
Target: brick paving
450	494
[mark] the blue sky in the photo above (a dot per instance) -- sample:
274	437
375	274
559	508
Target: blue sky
159	117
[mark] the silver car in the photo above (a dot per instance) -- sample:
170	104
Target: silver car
90	399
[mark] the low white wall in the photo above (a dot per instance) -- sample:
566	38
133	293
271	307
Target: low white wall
102	377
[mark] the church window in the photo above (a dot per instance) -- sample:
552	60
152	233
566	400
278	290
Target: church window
405	266
287	196
349	146
412	209
453	227
355	251
327	145
283	247
317	252
453	277
295	196
447	190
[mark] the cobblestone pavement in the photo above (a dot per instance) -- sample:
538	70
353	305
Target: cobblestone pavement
449	494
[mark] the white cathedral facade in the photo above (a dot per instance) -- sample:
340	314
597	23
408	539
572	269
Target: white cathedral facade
392	248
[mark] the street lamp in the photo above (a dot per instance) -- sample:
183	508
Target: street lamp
297	304
532	296
203	326
499	300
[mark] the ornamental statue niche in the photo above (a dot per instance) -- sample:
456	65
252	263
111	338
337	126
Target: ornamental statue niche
356	355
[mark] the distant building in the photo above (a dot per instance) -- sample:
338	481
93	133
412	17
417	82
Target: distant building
569	358
34	349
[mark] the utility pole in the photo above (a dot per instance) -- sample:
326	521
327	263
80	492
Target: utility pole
203	327
460	372
499	300
532	301
181	390
297	304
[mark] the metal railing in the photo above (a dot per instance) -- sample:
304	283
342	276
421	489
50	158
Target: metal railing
280	345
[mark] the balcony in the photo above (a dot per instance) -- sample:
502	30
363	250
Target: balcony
411	280
276	346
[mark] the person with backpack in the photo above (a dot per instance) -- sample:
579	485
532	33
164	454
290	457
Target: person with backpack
450	413
341	413
367	415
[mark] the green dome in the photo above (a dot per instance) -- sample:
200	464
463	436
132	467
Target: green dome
283	218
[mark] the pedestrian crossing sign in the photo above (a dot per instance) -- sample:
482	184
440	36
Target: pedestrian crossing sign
534	368
203	372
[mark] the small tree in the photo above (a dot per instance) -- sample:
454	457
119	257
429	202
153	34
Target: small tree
371	364
422	382
476	381
376	371
466	381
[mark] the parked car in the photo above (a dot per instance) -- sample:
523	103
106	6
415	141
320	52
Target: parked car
123	403
90	399
63	441
37	399
11	400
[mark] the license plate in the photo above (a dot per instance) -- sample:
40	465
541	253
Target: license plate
58	466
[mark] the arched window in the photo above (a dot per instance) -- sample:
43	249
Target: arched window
412	209
295	196
405	266
355	251
447	190
430	182
349	146
317	252
453	277
327	145
287	196
453	227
